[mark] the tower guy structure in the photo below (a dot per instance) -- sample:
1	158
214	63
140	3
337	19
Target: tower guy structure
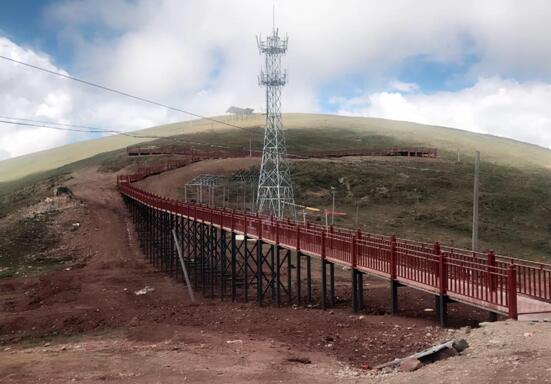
275	192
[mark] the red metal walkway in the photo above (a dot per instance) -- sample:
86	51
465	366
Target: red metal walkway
499	284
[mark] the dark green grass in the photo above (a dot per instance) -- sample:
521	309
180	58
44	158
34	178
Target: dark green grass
420	199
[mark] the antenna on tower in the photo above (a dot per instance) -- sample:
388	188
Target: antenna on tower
275	191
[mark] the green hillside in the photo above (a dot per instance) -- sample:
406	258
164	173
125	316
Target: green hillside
496	149
424	199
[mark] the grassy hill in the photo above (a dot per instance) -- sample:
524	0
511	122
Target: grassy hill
422	199
415	198
449	141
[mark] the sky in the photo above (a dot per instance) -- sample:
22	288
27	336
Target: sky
482	66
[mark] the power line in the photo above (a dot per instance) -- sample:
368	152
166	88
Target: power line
88	129
56	123
89	83
70	127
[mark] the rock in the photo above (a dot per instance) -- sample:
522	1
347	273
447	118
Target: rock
301	360
460	345
365	366
63	190
382	192
445	353
144	291
410	364
484	324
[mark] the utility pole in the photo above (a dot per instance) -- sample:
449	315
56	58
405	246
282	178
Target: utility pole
333	209
475	201
357	212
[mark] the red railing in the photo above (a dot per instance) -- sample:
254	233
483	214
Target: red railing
482	279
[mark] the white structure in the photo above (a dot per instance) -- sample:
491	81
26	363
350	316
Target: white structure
240	113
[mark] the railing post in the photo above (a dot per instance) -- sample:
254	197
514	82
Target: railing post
298	268
323	272
512	294
491	261
436	250
393	275
443	274
259	227
354	253
331	229
393	259
323	241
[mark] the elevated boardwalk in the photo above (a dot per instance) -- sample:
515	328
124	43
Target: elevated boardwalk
393	151
230	251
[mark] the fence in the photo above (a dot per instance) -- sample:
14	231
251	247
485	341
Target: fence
482	279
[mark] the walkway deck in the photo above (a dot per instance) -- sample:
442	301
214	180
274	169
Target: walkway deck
499	284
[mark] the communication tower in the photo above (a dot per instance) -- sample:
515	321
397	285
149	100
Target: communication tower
275	192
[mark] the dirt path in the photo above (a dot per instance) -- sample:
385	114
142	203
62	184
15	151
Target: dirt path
96	294
170	183
84	323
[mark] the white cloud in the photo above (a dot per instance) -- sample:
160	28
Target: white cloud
30	95
35	95
201	55
4	154
493	105
403	86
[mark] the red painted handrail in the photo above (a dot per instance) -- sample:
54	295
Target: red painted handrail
484	279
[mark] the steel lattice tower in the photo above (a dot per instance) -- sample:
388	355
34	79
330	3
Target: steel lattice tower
275	192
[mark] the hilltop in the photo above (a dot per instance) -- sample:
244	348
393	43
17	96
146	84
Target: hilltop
383	132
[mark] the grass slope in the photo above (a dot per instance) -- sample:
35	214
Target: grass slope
415	198
449	141
423	199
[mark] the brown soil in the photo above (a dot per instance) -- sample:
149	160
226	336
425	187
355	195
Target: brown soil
84	323
170	183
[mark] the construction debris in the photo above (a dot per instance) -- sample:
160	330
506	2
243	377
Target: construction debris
144	291
430	355
410	364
